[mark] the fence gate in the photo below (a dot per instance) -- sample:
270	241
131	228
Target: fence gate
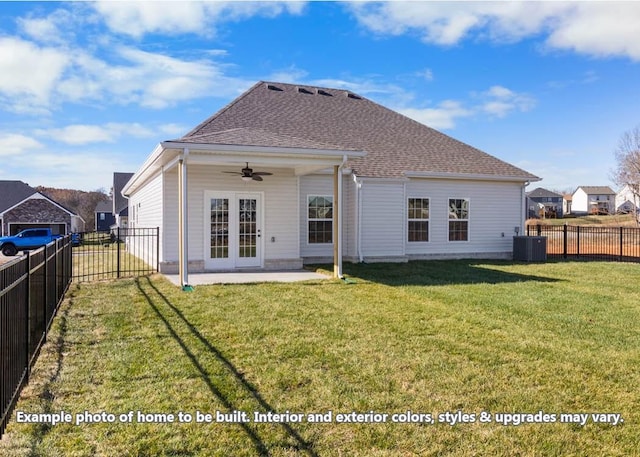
121	253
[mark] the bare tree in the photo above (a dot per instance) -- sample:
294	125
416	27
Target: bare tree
627	171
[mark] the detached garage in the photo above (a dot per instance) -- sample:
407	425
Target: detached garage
23	207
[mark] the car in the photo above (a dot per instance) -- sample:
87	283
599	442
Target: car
26	240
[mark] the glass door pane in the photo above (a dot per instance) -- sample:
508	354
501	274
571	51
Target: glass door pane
247	227
219	228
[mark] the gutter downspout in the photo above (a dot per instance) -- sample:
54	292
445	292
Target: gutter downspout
358	219
523	210
183	225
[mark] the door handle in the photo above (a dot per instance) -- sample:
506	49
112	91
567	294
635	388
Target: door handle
258	233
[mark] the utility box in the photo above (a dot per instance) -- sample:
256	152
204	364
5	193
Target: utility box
530	248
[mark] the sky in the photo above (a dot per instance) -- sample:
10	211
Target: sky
90	88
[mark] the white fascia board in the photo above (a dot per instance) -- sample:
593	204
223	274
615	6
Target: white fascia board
232	149
469	176
149	167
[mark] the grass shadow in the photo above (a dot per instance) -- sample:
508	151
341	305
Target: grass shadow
437	272
302	446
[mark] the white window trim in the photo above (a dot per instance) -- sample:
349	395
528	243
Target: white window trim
306	206
408	219
468	220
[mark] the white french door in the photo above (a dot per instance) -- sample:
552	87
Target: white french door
233	229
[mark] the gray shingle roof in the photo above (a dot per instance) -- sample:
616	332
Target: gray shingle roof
120	202
13	192
324	118
105	206
601	190
540	192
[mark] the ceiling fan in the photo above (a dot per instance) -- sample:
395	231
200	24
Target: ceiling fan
247	174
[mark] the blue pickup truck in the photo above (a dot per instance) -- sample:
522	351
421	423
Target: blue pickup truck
25	240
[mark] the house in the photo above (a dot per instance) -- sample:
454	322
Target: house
627	200
545	203
104	216
593	200
567	200
120	202
289	174
22	207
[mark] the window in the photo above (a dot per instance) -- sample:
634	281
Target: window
320	216
458	219
418	219
102	216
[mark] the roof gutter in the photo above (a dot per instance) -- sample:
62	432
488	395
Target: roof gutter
472	176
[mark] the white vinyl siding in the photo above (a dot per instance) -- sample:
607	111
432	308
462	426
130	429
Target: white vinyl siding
146	211
280	209
580	202
495	212
383	218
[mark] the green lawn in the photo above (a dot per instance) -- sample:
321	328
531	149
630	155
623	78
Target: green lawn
425	337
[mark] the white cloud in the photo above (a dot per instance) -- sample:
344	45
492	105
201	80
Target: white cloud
29	74
497	101
500	101
35	79
16	144
171	18
86	170
593	28
82	134
53	29
443	116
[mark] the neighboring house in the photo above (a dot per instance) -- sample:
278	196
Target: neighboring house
567	200
627	200
104	216
22	207
120	208
347	178
545	204
593	200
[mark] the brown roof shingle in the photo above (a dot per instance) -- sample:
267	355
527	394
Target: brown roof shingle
324	118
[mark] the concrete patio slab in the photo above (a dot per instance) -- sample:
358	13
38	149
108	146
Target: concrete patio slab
198	279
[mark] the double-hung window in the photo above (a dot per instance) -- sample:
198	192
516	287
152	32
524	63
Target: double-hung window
320	219
418	220
458	219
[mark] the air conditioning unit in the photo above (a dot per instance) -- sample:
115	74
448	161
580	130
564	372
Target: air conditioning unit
530	248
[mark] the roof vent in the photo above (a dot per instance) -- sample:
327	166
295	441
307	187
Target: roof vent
272	87
354	96
324	92
302	90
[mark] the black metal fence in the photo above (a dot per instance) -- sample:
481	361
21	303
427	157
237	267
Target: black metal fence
120	253
590	242
31	290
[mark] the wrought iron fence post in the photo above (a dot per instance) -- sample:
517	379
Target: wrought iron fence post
539	230
621	244
578	242
118	252
157	249
565	240
27	326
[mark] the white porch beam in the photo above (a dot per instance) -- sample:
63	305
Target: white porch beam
337	219
183	221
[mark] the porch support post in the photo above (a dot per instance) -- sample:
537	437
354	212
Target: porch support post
183	226
337	221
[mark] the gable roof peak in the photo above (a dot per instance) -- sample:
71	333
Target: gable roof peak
304	116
